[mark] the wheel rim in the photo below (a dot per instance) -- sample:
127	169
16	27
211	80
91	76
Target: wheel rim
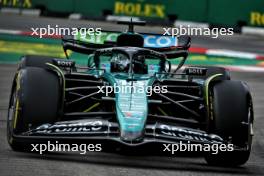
10	115
250	126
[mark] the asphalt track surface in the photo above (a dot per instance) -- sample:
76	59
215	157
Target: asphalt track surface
101	164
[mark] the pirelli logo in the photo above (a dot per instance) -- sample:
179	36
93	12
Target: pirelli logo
139	9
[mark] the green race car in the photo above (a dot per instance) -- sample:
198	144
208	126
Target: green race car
129	94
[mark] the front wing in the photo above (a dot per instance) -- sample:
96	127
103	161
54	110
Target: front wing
97	129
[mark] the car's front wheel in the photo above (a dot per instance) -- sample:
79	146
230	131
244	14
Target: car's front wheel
232	119
35	99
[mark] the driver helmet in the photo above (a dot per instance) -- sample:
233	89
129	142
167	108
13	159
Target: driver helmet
120	62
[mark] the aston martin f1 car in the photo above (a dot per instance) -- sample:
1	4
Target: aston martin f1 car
129	93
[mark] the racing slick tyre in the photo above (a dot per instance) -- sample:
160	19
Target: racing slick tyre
34	100
35	61
232	119
217	70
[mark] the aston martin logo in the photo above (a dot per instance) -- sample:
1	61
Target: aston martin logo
77	127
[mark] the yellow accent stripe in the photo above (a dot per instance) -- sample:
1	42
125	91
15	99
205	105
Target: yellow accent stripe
92	107
17	100
16	114
62	74
163	112
207	82
18	80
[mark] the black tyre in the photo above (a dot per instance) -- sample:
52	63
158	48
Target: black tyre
217	70
35	99
35	61
233	121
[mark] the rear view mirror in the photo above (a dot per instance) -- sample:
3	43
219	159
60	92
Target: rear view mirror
184	42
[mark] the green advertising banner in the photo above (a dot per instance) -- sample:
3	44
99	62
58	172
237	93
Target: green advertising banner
220	12
236	12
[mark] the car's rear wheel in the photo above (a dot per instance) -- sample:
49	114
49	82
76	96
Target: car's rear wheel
35	61
217	70
35	99
232	119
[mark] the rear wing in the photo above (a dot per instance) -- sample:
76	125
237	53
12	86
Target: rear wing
81	42
86	42
150	40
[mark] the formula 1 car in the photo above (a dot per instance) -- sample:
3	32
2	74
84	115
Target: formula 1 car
130	94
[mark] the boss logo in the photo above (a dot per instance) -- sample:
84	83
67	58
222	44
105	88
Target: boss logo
64	63
196	71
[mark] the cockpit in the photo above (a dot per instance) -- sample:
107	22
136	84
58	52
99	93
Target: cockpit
128	59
